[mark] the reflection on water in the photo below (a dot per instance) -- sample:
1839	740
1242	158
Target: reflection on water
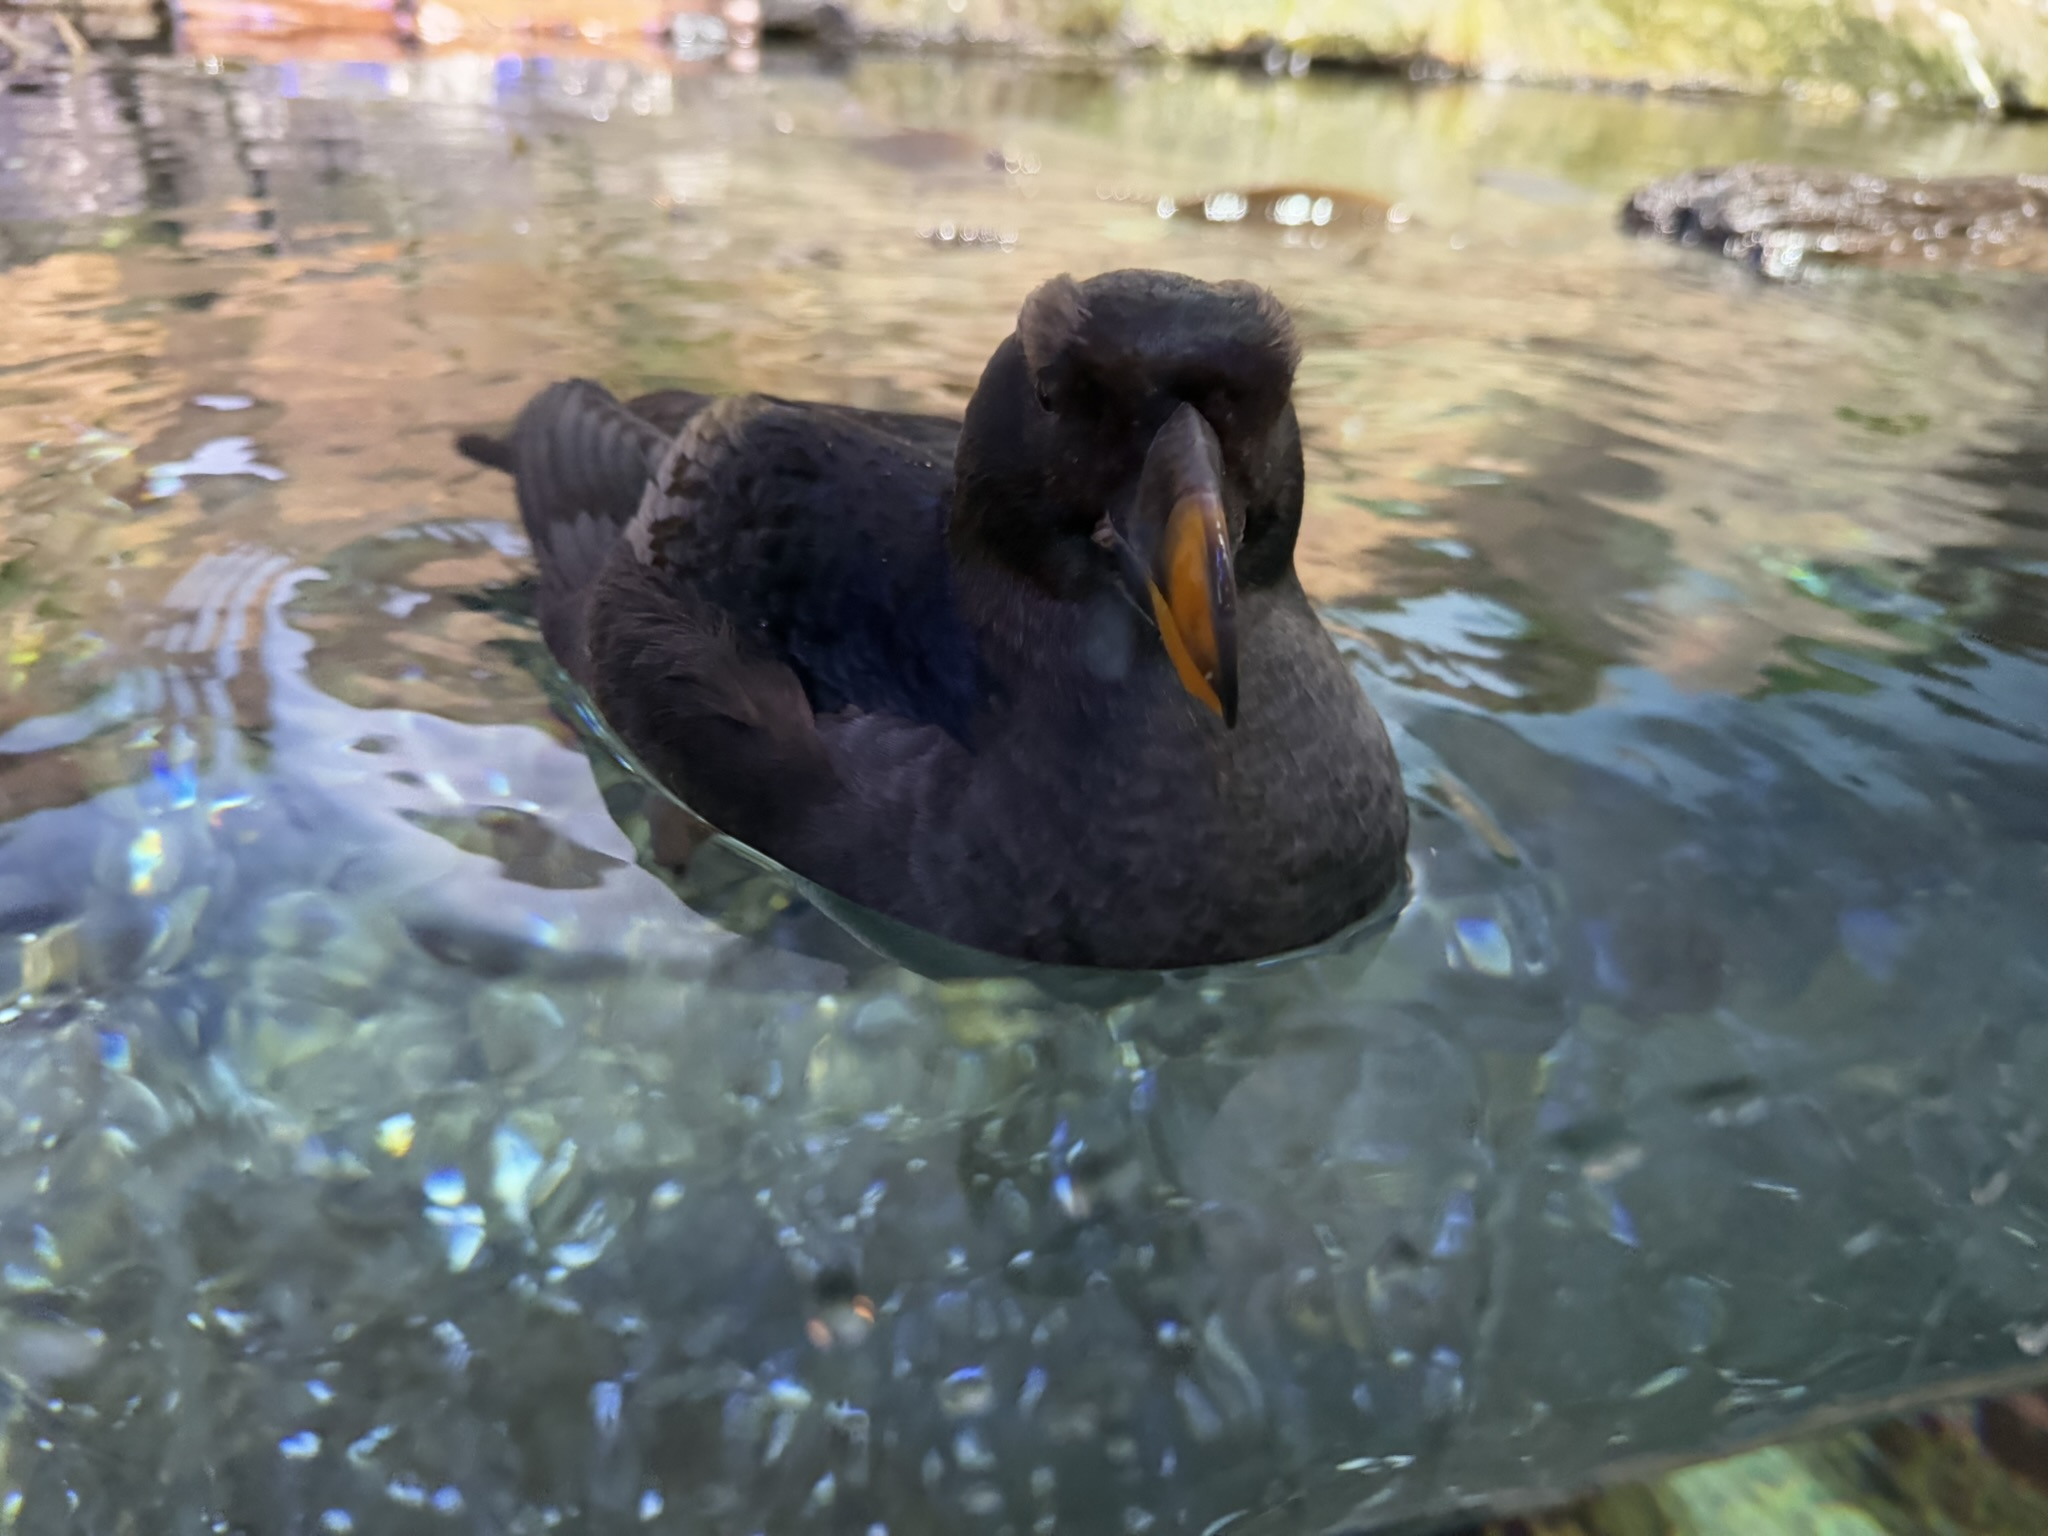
387	1147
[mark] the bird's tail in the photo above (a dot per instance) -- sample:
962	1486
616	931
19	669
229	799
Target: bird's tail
491	452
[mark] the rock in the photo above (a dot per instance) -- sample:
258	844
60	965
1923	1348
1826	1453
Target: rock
1780	218
1984	53
827	25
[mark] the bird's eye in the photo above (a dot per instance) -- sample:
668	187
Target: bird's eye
1044	397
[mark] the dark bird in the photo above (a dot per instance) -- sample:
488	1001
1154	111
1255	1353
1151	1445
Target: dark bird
1043	681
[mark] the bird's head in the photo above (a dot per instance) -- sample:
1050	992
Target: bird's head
1139	428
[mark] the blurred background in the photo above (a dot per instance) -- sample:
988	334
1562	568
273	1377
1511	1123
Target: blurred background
1988	53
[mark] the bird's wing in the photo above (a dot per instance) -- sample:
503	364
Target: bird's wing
819	534
711	714
818	528
717	573
669	410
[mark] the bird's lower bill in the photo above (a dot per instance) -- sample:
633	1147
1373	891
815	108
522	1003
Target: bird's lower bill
1194	601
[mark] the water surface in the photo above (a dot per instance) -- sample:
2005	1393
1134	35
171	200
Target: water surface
386	1147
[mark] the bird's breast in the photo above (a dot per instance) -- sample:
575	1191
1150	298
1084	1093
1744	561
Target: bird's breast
1109	638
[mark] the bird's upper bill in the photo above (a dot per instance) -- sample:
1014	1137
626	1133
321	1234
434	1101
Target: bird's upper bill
1178	559
1186	385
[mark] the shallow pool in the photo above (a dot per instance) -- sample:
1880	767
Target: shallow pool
385	1145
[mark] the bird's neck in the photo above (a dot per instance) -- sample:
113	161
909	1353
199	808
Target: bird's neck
1016	620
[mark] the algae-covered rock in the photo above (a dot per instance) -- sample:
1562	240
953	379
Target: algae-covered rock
1781	218
1983	52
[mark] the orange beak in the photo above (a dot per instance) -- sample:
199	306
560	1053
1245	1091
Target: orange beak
1189	581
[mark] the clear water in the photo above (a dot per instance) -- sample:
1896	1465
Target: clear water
384	1148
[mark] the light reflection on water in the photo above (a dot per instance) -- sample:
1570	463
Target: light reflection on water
387	1146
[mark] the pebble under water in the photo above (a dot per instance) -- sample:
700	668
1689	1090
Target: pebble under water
387	1144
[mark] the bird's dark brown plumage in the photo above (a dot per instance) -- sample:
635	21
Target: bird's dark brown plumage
936	668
